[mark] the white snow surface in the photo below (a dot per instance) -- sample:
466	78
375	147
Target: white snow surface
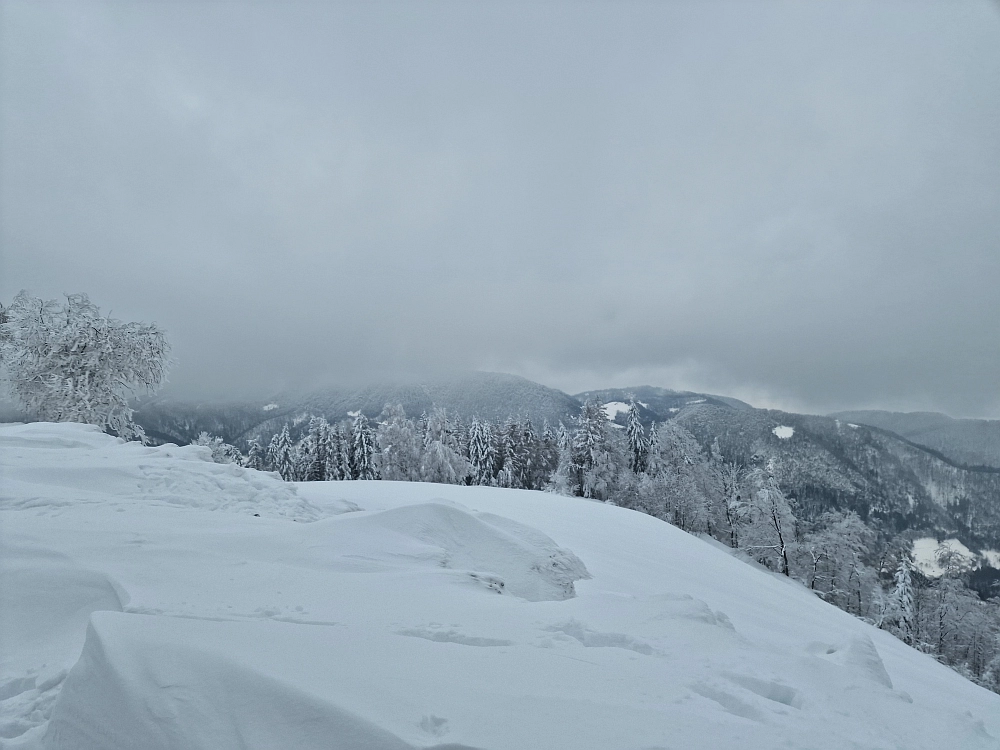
783	431
145	606
925	552
613	408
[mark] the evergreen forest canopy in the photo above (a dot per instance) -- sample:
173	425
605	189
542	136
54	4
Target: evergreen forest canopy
64	362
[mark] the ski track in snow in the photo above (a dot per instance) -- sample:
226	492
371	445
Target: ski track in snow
146	604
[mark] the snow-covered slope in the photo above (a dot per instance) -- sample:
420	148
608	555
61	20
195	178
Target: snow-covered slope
376	615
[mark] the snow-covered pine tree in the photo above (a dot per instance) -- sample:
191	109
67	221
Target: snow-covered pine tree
654	461
255	458
595	459
362	449
512	464
547	458
338	454
637	446
901	601
481	455
316	444
280	454
531	448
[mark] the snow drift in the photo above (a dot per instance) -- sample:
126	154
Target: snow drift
372	615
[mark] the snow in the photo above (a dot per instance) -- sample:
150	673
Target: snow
992	557
925	551
146	606
269	407
614	408
783	432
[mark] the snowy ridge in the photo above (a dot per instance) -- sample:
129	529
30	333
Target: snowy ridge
168	625
132	474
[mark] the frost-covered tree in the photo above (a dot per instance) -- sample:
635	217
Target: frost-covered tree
731	478
901	601
222	453
511	456
65	362
591	461
363	449
338	454
312	460
832	559
481	453
280	454
636	436
771	532
255	458
399	446
441	460
443	464
676	492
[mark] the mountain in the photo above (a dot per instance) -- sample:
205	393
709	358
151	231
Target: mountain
828	464
484	395
825	463
154	599
654	404
974	442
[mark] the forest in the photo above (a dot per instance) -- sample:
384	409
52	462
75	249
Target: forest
665	472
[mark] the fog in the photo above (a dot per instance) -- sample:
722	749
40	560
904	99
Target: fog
797	204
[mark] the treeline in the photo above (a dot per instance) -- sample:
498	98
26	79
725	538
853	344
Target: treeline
666	473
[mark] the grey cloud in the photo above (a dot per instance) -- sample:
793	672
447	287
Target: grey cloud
796	203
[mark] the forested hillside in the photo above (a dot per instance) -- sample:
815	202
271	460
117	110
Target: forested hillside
973	442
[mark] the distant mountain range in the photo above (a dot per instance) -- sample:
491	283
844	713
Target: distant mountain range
482	395
974	442
923	472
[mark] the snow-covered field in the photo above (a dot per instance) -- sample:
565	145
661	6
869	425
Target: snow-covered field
145	605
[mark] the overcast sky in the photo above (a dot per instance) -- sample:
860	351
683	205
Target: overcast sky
793	203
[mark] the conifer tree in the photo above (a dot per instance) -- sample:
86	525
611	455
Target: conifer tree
255	456
481	455
362	449
280	454
902	601
654	461
316	444
637	447
338	456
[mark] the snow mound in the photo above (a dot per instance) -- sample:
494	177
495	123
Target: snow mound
495	552
50	466
137	685
45	603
